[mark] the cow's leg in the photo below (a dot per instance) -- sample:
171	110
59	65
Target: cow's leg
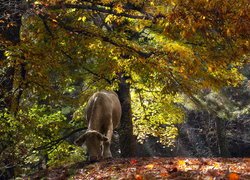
106	144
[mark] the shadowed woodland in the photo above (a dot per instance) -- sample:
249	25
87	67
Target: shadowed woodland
181	70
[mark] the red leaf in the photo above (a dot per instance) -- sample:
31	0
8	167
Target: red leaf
133	161
164	174
138	177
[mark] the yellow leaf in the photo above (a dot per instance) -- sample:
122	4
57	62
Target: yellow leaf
228	32
119	8
150	166
108	19
181	163
193	29
247	43
181	69
210	68
216	165
106	1
173	3
83	19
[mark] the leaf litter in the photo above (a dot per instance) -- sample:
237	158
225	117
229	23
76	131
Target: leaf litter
153	168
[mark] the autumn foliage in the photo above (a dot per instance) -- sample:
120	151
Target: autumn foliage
54	54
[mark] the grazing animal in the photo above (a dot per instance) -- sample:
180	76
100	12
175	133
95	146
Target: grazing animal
103	115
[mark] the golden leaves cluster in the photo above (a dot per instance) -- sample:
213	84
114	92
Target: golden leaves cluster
191	44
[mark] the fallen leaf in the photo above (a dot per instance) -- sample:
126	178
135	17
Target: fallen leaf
133	161
216	165
164	174
233	176
138	177
149	166
181	163
208	178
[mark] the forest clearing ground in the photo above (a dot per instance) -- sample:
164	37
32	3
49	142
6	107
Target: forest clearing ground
151	168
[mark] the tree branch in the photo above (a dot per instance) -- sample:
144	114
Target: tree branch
88	70
104	38
101	9
55	142
67	55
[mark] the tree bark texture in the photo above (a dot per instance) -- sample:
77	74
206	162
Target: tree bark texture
221	136
127	140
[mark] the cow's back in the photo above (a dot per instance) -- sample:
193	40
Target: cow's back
101	106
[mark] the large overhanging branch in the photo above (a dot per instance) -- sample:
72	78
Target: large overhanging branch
102	9
104	38
128	6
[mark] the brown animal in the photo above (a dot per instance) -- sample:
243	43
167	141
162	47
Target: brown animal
103	115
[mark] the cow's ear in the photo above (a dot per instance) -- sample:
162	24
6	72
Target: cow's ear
79	141
104	138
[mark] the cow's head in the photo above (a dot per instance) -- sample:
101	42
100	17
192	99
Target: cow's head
94	142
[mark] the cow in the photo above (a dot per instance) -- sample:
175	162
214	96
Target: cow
103	114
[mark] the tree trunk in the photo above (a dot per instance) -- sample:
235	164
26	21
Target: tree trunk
127	140
221	137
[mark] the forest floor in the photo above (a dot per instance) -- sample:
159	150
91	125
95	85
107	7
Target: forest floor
152	168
